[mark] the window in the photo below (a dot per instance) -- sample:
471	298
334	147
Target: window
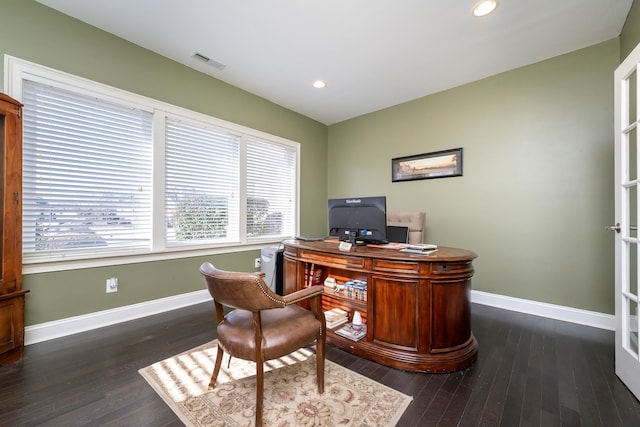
107	172
86	173
202	173
270	189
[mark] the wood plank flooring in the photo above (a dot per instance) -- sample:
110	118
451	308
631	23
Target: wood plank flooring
531	371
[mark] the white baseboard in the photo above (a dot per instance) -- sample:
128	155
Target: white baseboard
86	322
551	311
73	325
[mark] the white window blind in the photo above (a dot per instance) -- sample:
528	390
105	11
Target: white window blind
202	179
95	156
87	177
271	189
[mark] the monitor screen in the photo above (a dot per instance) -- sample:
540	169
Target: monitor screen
361	218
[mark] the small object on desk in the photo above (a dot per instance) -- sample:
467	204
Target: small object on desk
418	251
420	248
309	239
345	246
390	245
423	246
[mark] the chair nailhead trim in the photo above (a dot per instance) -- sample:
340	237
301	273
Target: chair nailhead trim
259	283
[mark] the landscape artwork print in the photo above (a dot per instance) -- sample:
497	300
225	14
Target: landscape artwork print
438	164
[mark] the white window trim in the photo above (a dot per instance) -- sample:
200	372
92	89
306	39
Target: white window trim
16	70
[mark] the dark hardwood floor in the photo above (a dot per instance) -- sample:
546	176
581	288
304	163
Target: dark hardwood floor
530	371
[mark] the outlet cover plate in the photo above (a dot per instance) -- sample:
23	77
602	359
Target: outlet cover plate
112	284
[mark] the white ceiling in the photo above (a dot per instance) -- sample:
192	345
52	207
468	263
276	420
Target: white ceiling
372	53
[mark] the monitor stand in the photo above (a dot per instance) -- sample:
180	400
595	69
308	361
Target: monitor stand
353	239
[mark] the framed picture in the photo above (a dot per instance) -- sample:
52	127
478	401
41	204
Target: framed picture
438	164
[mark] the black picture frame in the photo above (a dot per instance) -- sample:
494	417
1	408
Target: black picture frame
437	164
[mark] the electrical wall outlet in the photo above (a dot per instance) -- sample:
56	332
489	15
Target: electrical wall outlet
257	263
112	284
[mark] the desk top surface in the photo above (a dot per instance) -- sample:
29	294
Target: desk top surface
382	251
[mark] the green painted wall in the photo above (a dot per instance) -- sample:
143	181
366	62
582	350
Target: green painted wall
39	34
538	174
630	36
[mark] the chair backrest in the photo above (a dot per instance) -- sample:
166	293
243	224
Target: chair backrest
247	291
413	219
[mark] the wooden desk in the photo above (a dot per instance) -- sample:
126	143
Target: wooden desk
417	307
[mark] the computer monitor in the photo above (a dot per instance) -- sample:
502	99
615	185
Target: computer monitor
358	219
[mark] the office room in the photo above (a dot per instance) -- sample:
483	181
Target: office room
533	202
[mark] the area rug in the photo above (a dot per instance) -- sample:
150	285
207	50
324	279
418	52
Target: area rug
290	392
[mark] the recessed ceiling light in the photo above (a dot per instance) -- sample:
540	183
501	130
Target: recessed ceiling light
484	7
319	84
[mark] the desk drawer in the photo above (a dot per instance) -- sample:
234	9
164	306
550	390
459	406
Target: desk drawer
332	260
391	266
451	268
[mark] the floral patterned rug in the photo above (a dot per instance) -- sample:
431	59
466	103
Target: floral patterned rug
290	392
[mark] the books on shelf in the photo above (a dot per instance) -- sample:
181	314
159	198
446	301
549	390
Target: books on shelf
335	314
335	317
349	332
356	289
313	274
336	323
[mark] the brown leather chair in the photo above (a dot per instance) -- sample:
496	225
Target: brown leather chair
263	325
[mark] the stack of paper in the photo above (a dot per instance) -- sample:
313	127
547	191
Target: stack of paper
349	332
421	248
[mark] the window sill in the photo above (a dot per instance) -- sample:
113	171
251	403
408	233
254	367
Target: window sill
34	267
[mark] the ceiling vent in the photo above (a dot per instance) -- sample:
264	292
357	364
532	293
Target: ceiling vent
219	65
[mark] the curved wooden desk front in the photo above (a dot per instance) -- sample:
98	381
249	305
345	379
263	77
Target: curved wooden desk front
417	308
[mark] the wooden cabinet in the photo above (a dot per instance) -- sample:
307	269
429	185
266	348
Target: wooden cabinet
11	292
417	307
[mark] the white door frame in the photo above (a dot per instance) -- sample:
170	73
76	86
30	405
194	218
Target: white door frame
627	213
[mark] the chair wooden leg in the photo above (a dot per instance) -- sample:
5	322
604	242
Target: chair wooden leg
216	369
259	392
320	354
